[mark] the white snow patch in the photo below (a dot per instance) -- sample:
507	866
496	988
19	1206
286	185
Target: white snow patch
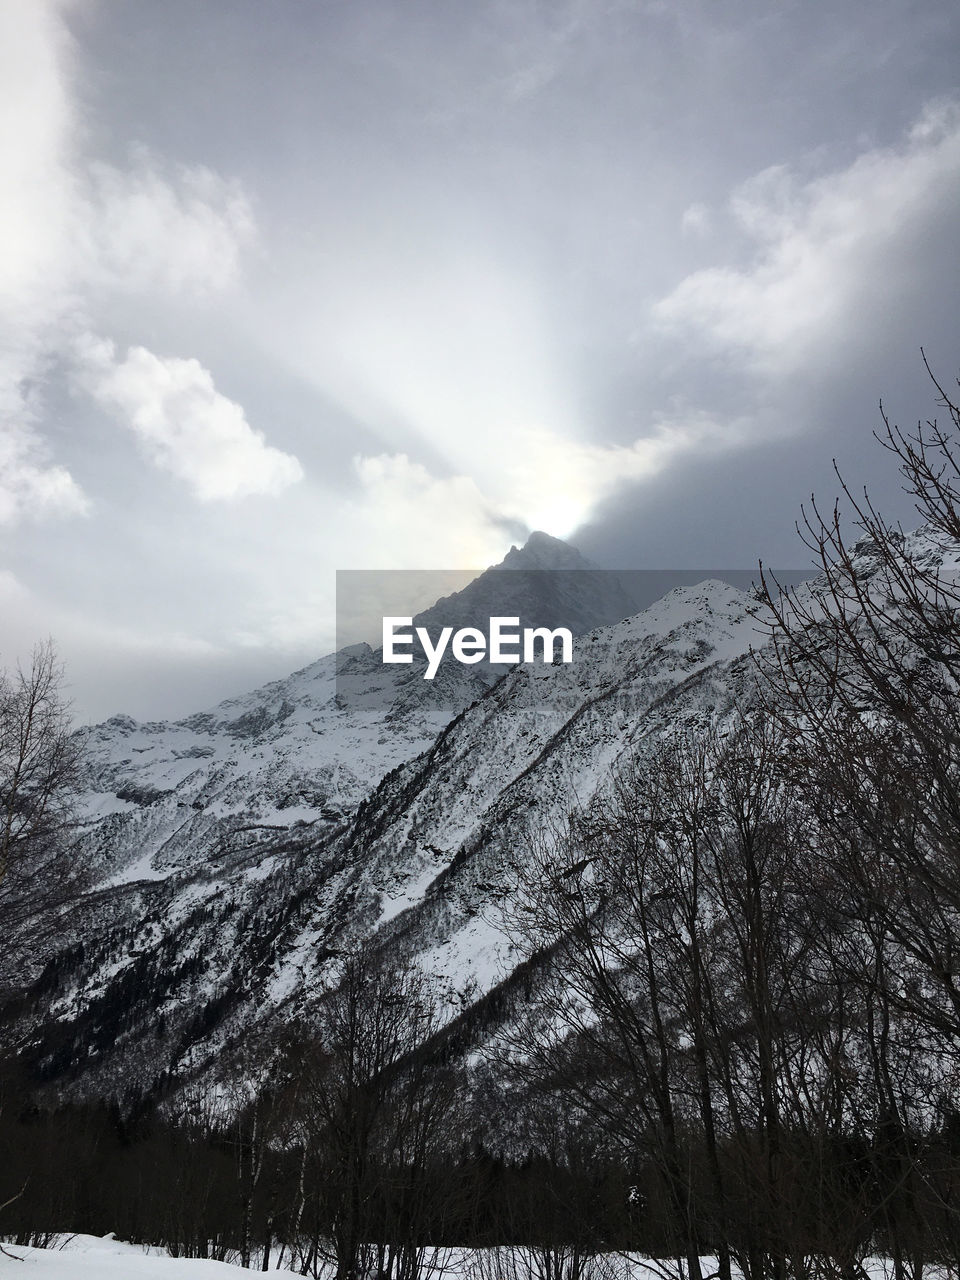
96	1258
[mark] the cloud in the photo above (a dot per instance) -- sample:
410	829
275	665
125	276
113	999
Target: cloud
401	504
184	424
30	487
36	133
461	354
558	483
545	482
817	246
696	220
182	233
73	229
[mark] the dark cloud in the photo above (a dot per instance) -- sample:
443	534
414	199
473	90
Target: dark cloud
634	271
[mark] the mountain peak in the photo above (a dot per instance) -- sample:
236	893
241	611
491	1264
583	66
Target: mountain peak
543	551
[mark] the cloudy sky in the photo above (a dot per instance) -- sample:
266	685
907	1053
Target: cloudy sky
299	286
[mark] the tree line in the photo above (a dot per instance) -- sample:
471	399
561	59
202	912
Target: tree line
755	987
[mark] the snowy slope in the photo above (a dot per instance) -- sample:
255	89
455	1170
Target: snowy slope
158	794
204	935
307	749
449	833
171	975
82	1257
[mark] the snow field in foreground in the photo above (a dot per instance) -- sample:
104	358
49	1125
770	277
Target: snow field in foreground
83	1257
93	1258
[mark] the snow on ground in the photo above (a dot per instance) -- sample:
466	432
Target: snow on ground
104	1258
93	1258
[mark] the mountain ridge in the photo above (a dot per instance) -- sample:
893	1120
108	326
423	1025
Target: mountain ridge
166	978
222	947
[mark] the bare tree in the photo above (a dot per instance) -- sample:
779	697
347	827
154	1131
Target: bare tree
692	1010
864	677
39	762
375	1117
617	899
39	766
39	758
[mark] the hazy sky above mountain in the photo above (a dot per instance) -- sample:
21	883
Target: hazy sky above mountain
292	287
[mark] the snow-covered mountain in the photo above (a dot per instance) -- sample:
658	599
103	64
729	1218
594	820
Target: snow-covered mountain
549	584
241	849
304	751
238	852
